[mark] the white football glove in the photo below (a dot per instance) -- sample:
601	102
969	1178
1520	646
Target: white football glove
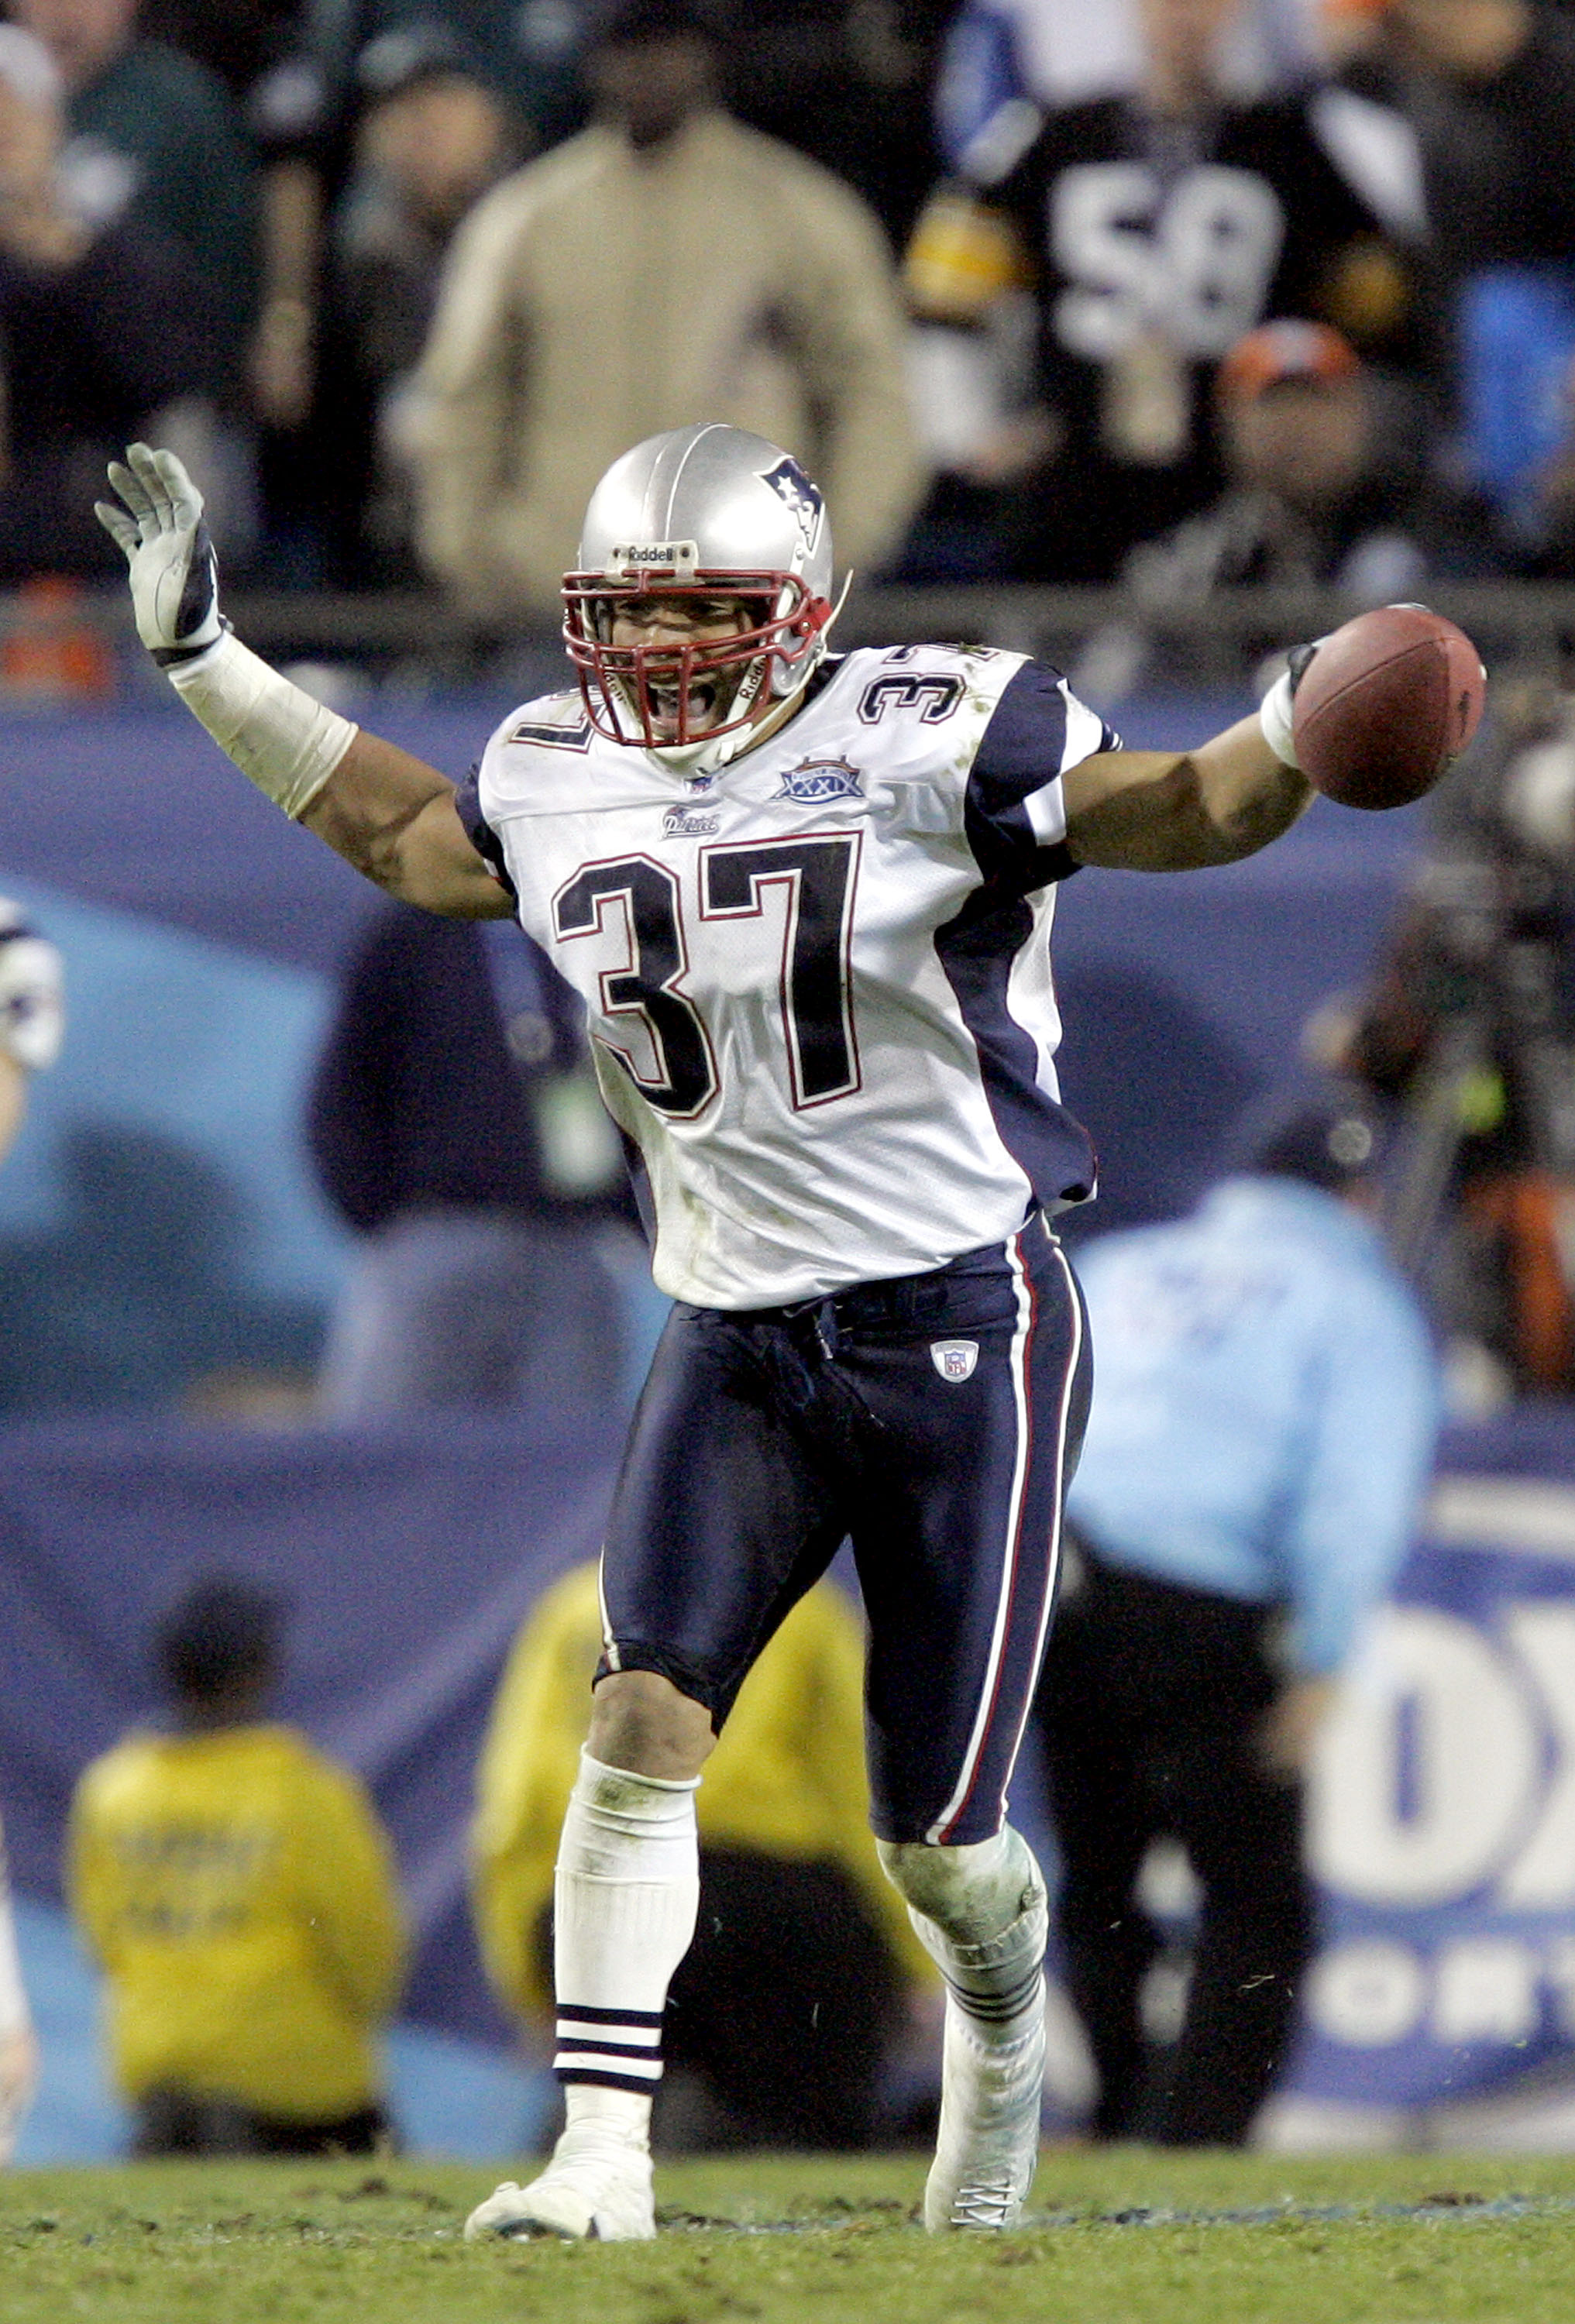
280	739
174	575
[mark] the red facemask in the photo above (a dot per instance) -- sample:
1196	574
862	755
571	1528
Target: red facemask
617	682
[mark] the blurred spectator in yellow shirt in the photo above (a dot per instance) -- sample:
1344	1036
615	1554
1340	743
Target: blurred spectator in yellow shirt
238	1890
783	2016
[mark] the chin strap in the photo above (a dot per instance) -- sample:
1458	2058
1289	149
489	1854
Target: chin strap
707	757
703	758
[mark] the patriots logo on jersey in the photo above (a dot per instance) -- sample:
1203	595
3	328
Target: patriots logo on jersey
683	823
789	482
819	779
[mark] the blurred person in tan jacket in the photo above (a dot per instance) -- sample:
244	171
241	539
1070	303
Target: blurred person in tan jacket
664	266
803	1954
238	1891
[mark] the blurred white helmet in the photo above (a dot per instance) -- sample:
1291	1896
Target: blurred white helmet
31	1008
708	510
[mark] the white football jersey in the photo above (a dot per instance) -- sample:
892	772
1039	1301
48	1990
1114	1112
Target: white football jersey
818	980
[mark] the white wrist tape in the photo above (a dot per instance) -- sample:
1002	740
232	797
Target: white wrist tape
1275	717
278	737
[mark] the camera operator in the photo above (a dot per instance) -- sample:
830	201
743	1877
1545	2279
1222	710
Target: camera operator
1469	1020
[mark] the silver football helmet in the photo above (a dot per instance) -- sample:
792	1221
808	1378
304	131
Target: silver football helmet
708	510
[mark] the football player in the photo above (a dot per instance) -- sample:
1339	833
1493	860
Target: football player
806	899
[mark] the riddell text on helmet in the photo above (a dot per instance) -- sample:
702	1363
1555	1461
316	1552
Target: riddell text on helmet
681	553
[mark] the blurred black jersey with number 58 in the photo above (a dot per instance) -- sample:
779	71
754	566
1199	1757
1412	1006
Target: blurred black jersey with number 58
1150	244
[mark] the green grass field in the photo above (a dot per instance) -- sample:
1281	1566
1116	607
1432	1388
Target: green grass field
1121	2236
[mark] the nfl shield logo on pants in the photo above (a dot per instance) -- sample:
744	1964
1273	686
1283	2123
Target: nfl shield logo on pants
954	1359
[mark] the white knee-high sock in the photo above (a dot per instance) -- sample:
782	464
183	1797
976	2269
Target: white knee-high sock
624	1904
980	1913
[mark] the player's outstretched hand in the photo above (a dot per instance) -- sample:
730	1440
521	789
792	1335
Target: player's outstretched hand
174	575
1374	713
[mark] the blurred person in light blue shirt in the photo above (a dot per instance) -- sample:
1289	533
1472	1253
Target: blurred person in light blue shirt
1265	1407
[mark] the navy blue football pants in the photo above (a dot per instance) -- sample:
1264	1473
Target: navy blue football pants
934	1421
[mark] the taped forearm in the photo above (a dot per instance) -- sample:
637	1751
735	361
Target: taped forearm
280	738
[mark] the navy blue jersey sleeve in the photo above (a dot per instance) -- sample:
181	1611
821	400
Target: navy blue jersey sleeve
1036	731
478	830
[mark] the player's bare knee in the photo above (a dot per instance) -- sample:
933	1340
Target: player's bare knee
642	1722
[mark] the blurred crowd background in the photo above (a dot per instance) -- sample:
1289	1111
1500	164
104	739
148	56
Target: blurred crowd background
399	277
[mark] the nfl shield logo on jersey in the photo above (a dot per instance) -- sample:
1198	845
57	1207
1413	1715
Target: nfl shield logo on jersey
954	1359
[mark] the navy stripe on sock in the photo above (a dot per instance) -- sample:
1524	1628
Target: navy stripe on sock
643	2085
589	2017
996	2008
618	2049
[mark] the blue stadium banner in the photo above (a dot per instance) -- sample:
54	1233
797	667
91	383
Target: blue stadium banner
1442	1829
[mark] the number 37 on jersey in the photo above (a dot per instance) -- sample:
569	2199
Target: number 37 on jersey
832	955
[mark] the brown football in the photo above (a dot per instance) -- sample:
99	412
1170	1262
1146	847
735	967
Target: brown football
1386	701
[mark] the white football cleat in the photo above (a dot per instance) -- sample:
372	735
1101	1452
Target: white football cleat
594	2189
988	2147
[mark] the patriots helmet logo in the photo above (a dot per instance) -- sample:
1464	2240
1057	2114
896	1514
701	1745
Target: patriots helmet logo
791	485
